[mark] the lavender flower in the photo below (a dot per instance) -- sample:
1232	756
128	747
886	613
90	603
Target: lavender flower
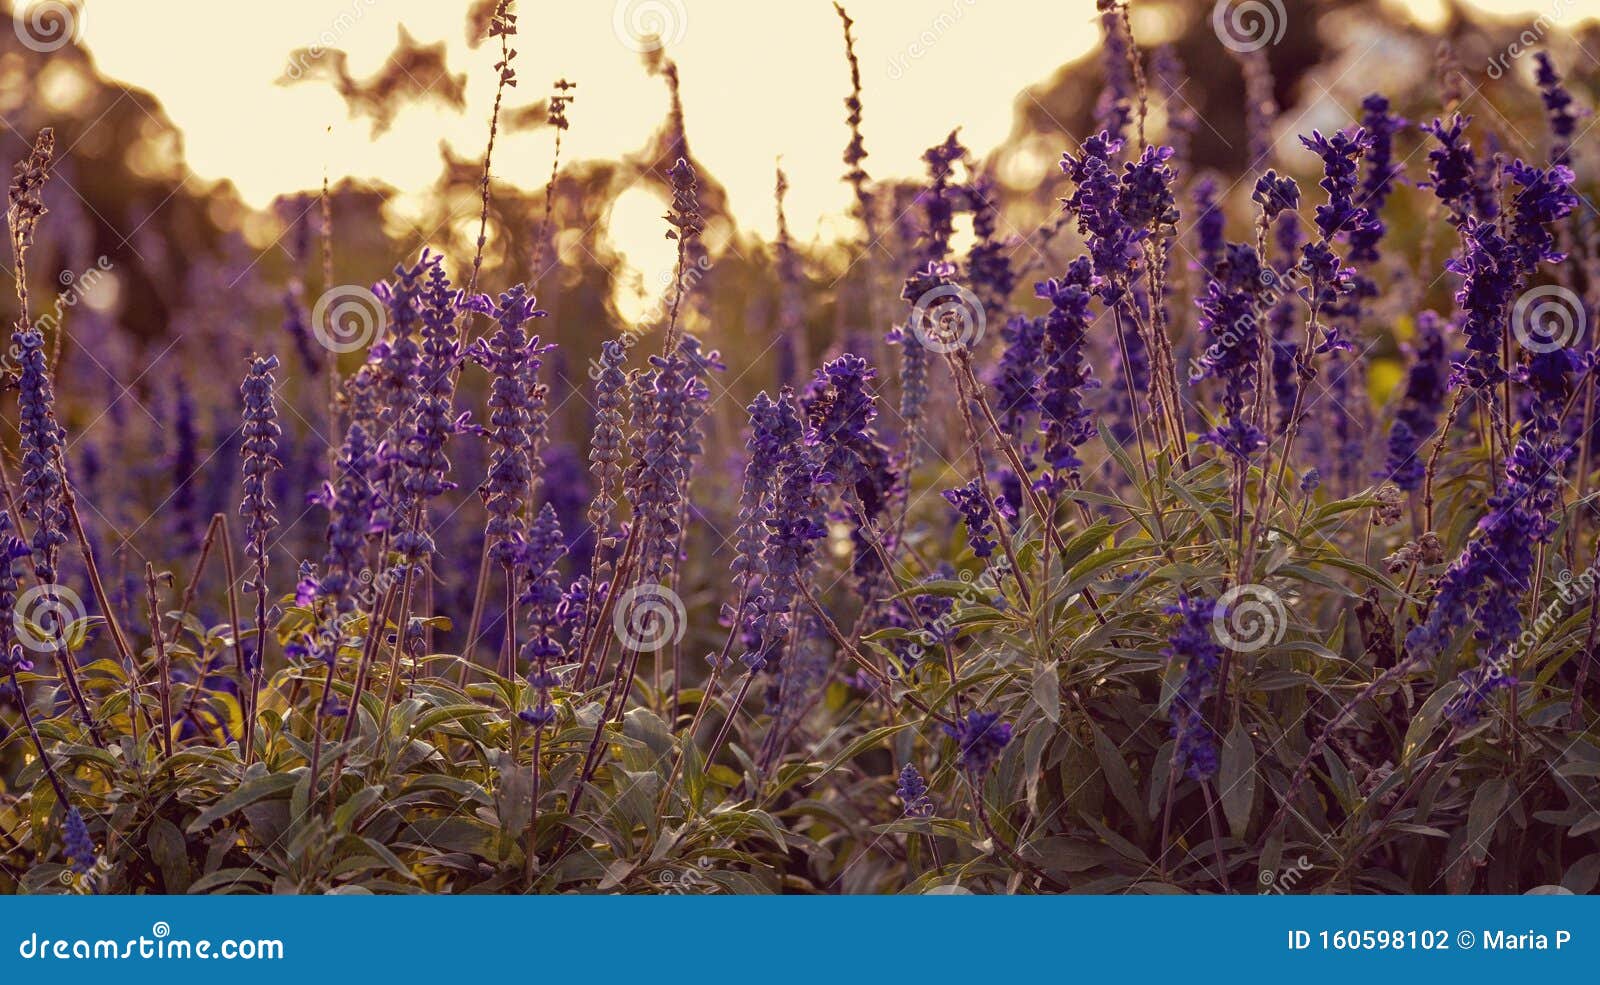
981	737
1117	214
1380	126
513	359
775	431
1228	315
1341	158
1283	321
1490	577
669	399
261	432
78	847
1421	404
1094	202
185	464
989	270
1065	420
1260	105
1209	227
793	532
684	216
1558	107
1169	74
351	514
431	423
1193	646
1016	376
972	502
1544	196
840	408
1114	110
543	600
41	445
1453	173
790	325
1145	200
605	443
1275	194
939	198
913	793
25	198
13	658
1488	268
299	332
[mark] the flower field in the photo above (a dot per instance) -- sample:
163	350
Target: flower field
1215	515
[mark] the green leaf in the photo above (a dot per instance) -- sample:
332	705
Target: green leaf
861	745
248	793
1425	721
1118	777
1047	691
170	854
1236	778
1487	805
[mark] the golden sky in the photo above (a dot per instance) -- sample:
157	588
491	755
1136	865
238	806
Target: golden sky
761	80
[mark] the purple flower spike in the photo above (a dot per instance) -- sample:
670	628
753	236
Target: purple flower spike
972	502
981	737
1193	645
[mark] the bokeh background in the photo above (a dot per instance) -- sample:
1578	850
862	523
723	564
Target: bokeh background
194	140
